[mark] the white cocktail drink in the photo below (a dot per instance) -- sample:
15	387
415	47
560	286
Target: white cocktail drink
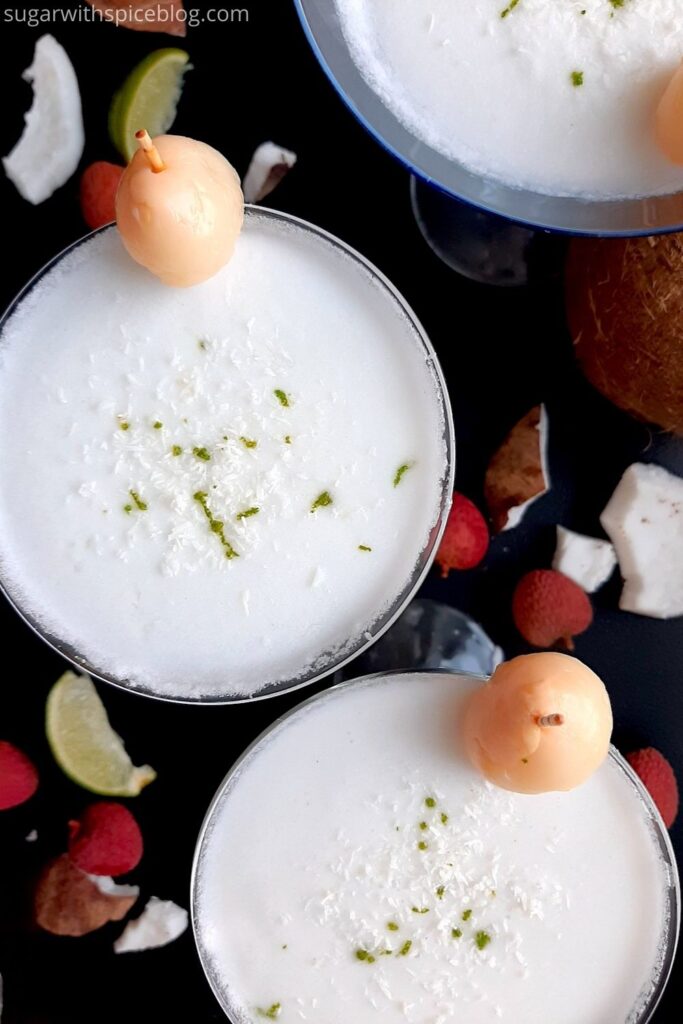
356	868
207	491
556	97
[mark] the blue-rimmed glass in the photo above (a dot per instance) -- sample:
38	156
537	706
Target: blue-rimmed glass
572	215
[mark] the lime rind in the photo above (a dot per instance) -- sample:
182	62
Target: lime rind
84	744
148	98
114	121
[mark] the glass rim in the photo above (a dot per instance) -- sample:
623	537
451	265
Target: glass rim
661	835
564	215
384	621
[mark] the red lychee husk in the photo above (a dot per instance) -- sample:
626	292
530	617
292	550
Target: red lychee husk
466	537
106	840
99	184
18	776
658	777
548	608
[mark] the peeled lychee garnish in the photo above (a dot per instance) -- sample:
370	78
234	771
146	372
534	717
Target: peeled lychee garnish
466	537
18	776
106	841
68	902
549	608
658	777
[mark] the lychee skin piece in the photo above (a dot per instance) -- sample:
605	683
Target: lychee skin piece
466	537
548	608
18	776
106	840
99	184
657	775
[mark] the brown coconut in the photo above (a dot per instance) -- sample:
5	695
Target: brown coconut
625	311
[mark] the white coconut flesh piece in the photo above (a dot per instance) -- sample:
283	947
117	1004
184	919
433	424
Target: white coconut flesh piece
644	520
269	164
161	922
109	887
588	561
51	145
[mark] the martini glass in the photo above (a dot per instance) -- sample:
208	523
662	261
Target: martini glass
391	605
226	825
482	228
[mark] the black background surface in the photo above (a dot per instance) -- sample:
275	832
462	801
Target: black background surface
502	351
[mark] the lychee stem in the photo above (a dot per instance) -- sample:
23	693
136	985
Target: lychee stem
150	151
544	720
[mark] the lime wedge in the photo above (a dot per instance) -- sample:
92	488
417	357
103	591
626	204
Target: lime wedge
114	122
84	744
148	98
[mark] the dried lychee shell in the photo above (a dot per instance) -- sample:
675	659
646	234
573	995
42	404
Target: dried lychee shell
625	311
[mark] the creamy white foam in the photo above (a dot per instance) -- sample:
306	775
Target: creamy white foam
496	93
314	849
149	594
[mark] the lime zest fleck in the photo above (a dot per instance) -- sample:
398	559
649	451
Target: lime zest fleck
127	508
216	525
288	438
430	801
202	453
456	933
364	547
322	501
509	9
140	505
576	78
444	818
424	826
466	915
482	940
282	397
124	425
157	424
440	891
272	1013
405	948
420	910
363	954
392	926
176	450
202	344
248	442
401	472
254	510
422	845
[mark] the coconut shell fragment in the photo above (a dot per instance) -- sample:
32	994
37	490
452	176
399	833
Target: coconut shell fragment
625	310
69	902
517	473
